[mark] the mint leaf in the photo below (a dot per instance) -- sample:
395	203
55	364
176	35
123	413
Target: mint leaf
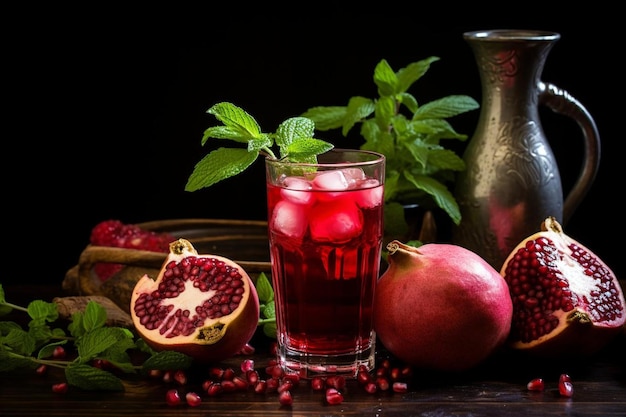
89	378
218	165
97	341
166	360
294	138
264	288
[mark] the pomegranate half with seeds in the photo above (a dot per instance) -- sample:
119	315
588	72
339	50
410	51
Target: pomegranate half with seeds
205	306
566	300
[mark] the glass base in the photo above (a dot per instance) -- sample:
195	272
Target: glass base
308	365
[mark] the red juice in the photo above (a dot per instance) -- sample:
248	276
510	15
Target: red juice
325	251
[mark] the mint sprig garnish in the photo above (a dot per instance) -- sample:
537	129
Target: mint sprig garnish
418	168
30	348
293	141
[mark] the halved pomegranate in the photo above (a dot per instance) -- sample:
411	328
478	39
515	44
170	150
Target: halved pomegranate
205	306
566	300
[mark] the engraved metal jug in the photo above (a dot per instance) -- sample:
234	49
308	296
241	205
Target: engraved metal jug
512	181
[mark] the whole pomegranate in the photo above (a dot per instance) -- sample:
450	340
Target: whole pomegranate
440	306
566	301
205	306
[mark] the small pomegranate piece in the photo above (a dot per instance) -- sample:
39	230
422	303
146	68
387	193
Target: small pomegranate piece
172	397
566	300
566	388
333	396
536	384
205	306
440	306
193	399
60	388
285	398
114	233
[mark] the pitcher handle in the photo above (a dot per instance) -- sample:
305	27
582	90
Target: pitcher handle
561	102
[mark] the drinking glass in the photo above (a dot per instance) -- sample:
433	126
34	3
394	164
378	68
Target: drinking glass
325	224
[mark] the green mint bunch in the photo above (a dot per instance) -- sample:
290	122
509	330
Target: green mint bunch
419	168
293	139
92	339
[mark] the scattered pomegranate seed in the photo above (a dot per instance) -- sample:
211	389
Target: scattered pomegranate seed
58	352
285	398
252	377
214	389
180	377
172	397
318	383
193	399
247	365
60	388
260	387
248	349
400	387
371	388
229	374
41	370
566	388
382	383
333	396
536	384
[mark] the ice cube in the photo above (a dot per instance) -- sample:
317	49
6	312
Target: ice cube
297	190
289	219
369	197
335	221
354	176
331	180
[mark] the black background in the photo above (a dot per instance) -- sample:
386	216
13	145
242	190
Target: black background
104	120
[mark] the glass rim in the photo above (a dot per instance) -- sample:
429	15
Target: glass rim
377	158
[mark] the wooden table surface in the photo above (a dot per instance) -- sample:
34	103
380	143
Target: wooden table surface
496	388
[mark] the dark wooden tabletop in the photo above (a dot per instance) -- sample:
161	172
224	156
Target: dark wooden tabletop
496	388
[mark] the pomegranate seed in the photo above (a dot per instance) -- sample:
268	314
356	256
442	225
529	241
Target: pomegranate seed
180	377
272	384
229	374
336	381
168	376
400	387
206	384
172	397
260	386
318	383
214	389
285	398
285	386
41	370
229	386
60	388
155	373
247	365
241	383
58	352
193	399
566	388
216	373
333	396
292	377
275	371
382	384
252	377
273	349
248	349
370	387
536	384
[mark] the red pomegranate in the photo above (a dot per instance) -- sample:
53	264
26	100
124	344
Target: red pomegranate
441	307
205	306
566	301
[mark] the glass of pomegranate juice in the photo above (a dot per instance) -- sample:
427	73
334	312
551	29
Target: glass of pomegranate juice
325	224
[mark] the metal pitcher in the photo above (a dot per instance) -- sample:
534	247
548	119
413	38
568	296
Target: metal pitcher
512	181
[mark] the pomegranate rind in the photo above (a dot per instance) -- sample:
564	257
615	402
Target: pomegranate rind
441	307
217	339
577	333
